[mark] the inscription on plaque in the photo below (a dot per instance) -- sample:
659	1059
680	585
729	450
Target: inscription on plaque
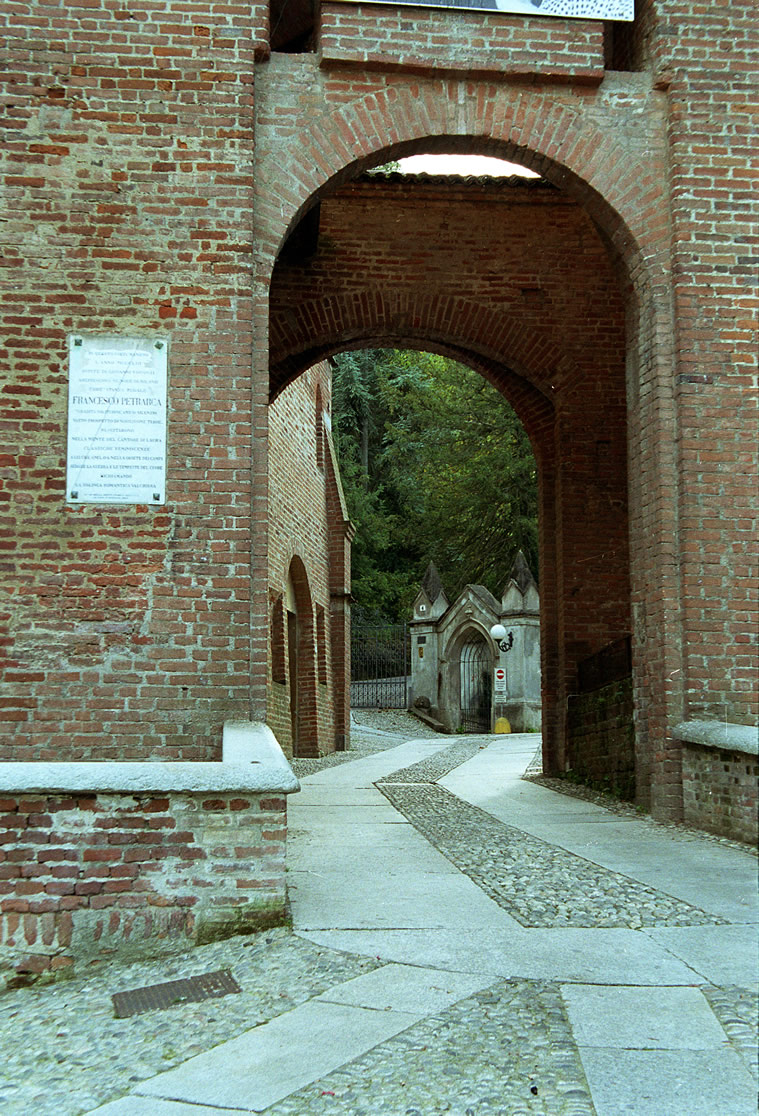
116	420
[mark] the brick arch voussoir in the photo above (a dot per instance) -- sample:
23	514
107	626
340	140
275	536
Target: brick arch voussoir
319	327
532	402
533	129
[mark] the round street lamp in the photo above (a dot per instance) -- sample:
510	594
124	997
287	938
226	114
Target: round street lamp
504	639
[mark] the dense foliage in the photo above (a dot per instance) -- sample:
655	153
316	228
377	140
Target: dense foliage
436	467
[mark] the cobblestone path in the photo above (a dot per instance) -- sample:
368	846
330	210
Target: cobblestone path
536	883
507	1050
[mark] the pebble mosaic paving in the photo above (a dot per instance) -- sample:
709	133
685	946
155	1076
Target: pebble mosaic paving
507	1050
538	884
737	1009
435	767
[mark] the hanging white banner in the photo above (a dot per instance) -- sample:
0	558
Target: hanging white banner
568	9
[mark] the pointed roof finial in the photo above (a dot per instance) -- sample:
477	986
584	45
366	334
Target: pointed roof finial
521	574
432	584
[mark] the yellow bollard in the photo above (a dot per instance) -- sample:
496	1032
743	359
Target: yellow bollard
502	725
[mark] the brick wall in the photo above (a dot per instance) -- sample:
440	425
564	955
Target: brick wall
601	738
679	118
709	54
307	537
155	161
607	153
720	791
87	875
481	44
124	631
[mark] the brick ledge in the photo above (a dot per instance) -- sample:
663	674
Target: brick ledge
252	761
719	734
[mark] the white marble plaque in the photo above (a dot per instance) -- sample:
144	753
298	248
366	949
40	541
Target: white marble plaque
116	420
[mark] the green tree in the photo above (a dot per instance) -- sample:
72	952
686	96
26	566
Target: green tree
383	572
436	467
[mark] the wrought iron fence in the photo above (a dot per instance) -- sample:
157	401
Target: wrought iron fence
380	655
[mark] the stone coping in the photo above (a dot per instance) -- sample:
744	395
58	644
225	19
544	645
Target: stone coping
719	734
252	762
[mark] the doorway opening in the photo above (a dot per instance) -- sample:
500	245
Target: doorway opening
476	684
301	662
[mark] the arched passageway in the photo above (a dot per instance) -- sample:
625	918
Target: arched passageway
583	351
512	278
475	675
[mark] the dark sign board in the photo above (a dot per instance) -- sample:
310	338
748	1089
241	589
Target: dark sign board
569	9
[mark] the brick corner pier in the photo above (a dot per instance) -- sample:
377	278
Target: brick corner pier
139	859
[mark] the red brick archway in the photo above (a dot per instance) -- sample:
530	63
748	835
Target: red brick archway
548	332
301	660
314	154
136	632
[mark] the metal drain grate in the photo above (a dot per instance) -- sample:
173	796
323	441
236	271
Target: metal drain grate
154	997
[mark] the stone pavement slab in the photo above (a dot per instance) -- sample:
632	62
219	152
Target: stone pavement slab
378	812
721	955
642	1018
366	771
389	896
344	871
659	1050
668	1082
320	796
602	956
393	835
261	1066
407	988
152	1106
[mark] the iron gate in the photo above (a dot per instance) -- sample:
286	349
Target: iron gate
476	680
379	666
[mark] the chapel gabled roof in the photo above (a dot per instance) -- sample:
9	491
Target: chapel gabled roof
486	598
